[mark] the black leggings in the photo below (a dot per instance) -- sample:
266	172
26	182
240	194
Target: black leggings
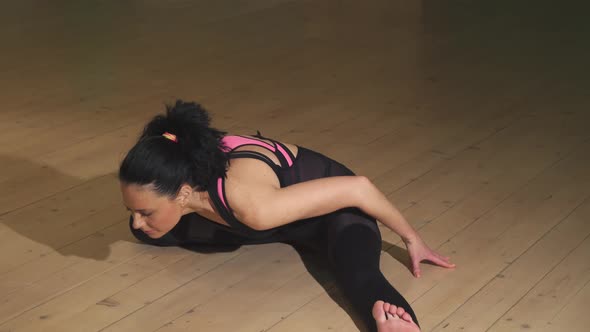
348	239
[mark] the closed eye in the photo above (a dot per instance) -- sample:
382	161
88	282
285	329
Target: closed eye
143	213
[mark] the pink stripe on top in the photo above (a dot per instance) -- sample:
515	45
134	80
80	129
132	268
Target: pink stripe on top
289	161
220	191
232	142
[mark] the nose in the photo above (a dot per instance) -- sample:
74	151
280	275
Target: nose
137	221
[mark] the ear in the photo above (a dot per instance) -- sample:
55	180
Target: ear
184	194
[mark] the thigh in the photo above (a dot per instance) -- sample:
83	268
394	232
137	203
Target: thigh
330	230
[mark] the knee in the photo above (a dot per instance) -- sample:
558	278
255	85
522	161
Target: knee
357	221
357	246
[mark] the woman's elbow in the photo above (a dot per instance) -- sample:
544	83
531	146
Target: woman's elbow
364	188
363	181
257	220
259	226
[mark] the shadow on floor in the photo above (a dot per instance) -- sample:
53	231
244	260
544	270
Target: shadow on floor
48	210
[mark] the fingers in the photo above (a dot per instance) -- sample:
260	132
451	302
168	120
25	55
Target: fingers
435	258
419	254
415	266
416	269
441	261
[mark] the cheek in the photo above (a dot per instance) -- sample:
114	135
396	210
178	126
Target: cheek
166	219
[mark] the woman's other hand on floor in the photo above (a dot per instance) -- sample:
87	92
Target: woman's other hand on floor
420	252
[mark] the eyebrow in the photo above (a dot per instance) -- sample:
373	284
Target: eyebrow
140	210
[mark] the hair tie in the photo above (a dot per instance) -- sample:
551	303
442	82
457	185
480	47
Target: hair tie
171	137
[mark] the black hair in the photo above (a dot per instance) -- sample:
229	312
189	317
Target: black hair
197	156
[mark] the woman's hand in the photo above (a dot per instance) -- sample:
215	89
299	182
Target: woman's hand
419	252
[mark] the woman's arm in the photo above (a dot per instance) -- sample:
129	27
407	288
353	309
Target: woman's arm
262	204
259	202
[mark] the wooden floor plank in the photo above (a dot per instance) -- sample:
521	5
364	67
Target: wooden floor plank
256	301
570	317
321	314
461	188
146	291
548	298
91	291
200	290
98	246
490	303
489	245
60	220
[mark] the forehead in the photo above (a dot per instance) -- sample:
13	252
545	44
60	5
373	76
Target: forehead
137	197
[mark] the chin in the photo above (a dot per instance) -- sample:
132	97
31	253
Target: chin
154	235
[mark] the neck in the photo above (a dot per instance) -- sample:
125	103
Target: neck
198	202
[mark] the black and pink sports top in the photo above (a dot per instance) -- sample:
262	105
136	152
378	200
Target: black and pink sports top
307	165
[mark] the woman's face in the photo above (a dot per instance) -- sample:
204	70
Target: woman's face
152	213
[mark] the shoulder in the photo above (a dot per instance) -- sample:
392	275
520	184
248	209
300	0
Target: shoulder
248	181
251	171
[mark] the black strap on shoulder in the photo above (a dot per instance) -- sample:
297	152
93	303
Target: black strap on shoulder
282	160
255	155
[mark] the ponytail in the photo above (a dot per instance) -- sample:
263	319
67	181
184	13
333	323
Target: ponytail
176	148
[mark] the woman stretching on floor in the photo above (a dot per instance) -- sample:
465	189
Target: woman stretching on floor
187	183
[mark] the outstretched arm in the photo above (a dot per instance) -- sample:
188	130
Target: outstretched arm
267	206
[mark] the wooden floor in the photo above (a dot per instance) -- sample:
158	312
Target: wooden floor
472	116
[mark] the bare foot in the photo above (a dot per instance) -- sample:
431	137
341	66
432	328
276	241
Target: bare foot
390	318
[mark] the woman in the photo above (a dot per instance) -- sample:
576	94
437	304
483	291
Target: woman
187	183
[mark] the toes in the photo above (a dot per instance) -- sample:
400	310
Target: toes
382	311
400	311
387	309
407	317
393	310
386	306
378	312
